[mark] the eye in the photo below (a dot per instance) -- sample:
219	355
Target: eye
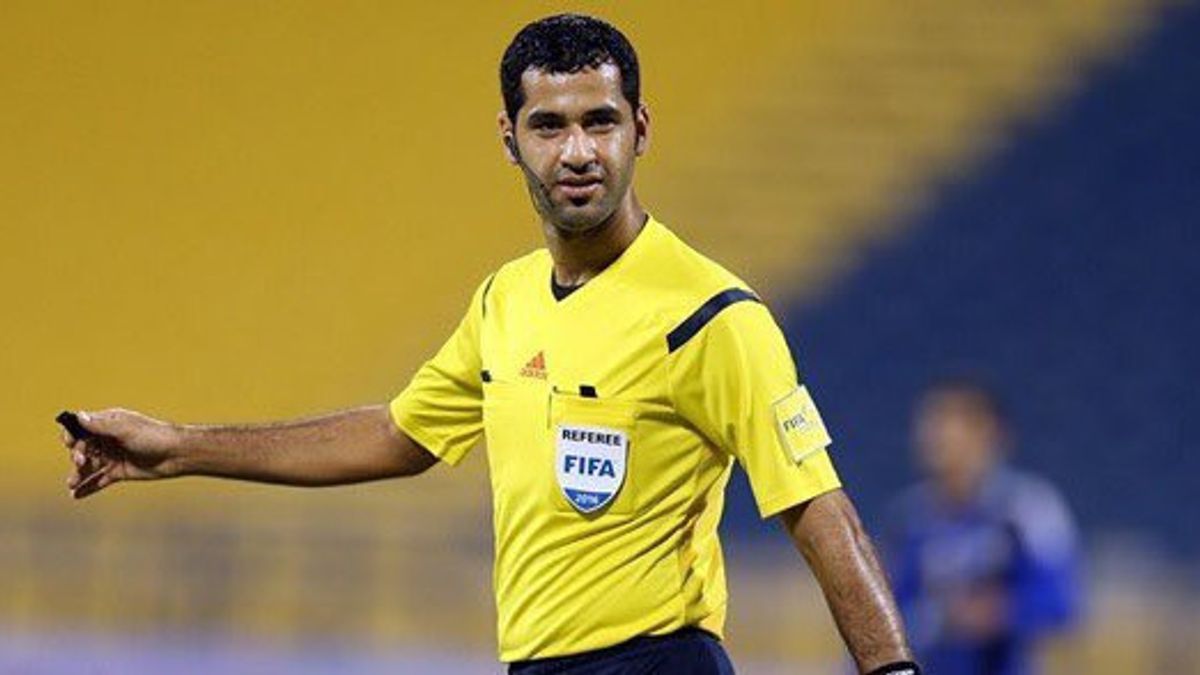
601	122
545	125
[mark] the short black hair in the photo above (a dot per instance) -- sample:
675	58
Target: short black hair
566	43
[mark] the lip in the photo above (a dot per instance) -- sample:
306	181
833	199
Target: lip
582	188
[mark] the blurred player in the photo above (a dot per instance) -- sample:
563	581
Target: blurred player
983	557
616	375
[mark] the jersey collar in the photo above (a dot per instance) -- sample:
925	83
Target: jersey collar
627	259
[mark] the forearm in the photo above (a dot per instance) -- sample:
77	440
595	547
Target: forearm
344	447
830	536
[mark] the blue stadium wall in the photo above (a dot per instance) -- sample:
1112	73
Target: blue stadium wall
1065	268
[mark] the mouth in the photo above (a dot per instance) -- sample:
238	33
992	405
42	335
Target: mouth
579	190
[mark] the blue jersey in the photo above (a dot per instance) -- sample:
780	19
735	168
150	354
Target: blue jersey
1013	548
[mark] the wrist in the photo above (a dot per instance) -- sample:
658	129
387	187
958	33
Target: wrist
180	450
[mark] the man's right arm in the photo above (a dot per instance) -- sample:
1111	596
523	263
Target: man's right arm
442	406
349	446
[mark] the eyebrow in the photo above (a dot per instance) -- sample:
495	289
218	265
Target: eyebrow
605	113
540	117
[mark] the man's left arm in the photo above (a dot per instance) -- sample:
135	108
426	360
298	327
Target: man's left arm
735	380
827	532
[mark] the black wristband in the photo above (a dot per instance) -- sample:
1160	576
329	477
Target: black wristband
897	668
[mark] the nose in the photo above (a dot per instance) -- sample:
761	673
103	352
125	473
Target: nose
580	149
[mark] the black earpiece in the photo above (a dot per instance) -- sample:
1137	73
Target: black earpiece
510	142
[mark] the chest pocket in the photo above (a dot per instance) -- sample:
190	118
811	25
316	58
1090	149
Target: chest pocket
515	426
593	448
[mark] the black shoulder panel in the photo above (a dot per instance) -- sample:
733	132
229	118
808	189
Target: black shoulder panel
483	299
707	312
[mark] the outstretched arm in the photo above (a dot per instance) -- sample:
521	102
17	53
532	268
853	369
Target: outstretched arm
349	446
827	532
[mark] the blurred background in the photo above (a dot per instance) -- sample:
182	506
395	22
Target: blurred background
234	212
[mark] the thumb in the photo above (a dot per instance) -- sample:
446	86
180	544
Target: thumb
103	422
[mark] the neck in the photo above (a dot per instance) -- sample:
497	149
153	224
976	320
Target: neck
580	256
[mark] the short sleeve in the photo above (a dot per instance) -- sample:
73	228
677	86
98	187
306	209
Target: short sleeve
735	381
441	408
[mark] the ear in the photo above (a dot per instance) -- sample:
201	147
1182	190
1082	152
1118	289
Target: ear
641	125
507	135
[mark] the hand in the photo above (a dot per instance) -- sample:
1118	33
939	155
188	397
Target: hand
125	445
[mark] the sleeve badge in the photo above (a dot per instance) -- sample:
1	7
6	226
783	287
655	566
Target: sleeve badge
801	431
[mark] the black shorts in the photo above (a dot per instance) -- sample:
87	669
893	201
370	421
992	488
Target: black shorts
689	650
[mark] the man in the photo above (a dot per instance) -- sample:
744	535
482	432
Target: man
616	375
983	557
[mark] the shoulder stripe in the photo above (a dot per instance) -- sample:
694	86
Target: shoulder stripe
483	298
707	312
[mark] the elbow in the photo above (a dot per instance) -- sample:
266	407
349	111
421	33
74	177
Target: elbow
409	458
416	463
404	456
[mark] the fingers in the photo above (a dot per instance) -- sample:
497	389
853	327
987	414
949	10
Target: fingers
75	479
93	483
81	453
95	463
90	472
93	447
83	468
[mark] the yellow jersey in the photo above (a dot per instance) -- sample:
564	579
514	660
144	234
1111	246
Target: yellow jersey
612	418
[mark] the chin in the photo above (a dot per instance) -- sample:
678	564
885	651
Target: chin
580	219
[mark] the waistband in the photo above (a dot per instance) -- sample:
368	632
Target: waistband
562	664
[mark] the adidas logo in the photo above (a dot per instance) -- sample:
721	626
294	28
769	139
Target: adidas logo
536	367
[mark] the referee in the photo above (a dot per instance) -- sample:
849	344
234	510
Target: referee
616	375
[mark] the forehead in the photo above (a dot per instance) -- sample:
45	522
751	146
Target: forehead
576	92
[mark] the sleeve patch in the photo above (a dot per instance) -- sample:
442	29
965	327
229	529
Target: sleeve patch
801	431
